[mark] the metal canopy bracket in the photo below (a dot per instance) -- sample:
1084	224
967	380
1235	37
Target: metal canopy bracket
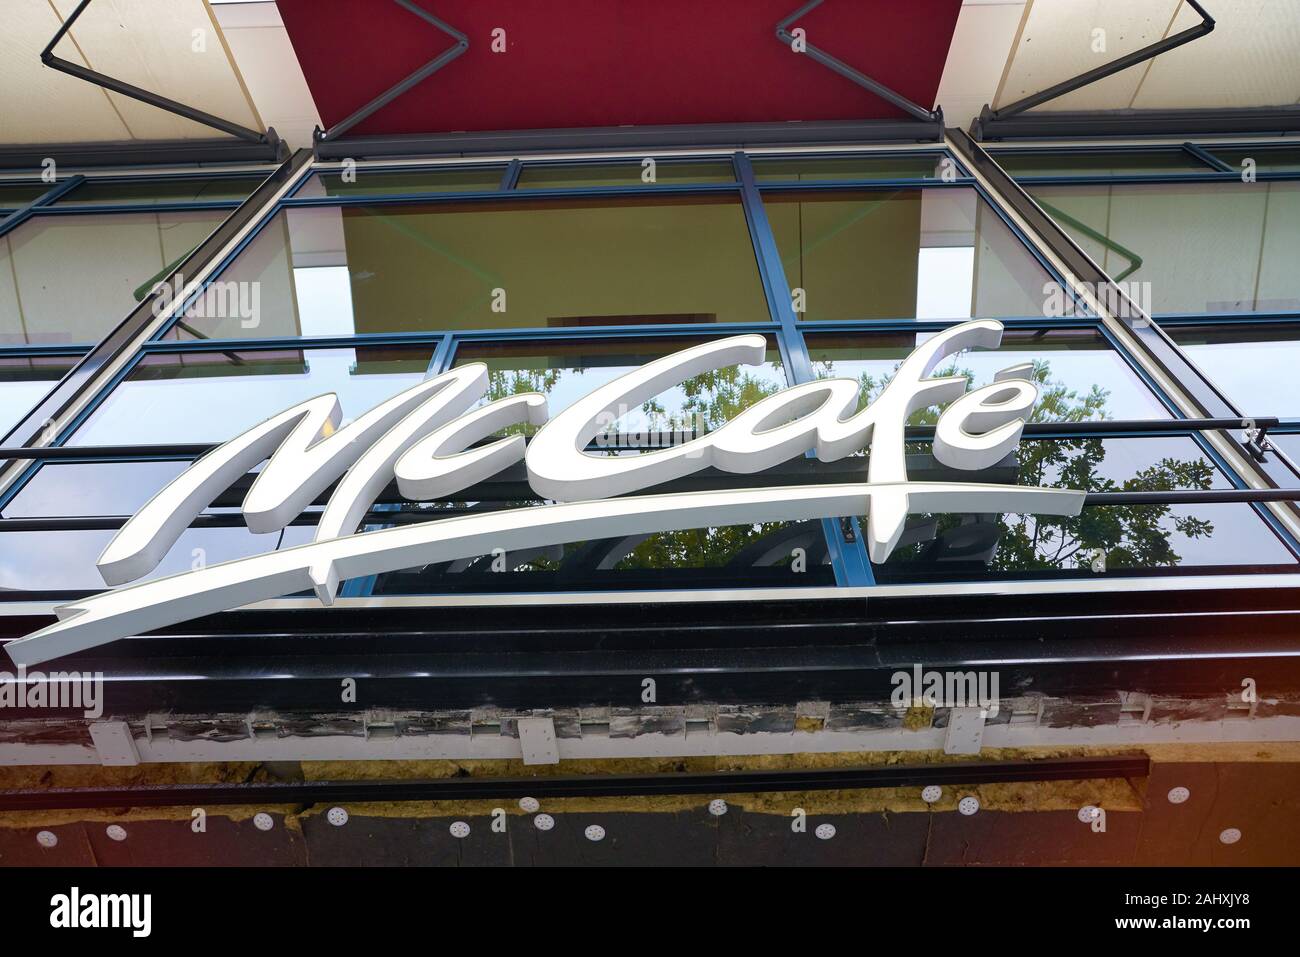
932	119
276	150
1009	121
392	93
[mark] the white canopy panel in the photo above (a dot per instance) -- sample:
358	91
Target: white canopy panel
170	47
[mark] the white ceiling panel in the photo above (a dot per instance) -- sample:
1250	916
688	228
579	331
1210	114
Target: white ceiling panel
152	44
1251	58
1058	42
171	47
38	105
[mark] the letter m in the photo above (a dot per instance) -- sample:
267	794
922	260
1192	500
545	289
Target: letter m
307	452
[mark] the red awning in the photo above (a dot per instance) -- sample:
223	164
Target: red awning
600	63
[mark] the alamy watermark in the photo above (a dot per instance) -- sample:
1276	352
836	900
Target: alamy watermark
58	689
230	299
1123	300
945	689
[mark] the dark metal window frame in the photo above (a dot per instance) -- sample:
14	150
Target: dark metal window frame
785	328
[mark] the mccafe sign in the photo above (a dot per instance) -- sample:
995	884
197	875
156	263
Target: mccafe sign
425	439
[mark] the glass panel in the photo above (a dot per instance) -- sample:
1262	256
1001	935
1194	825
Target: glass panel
70	279
566	370
395	181
1267	159
902	254
65	560
499	264
1191	247
15	195
623	174
91	488
1102	539
104	192
213	396
1254	366
1108	163
879	166
24	381
1289	443
1080	376
772	554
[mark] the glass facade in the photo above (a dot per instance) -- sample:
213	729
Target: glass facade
84	255
560	276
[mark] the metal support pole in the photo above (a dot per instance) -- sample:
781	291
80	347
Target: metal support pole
849	73
1115	66
393	92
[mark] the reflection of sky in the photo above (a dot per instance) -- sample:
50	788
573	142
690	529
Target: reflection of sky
213	408
49	561
1077	369
945	278
1259	377
18	398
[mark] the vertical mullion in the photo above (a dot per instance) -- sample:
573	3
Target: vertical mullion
438	364
848	557
510	178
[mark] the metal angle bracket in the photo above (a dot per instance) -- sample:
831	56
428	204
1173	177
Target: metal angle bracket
269	138
965	731
836	65
985	126
433	66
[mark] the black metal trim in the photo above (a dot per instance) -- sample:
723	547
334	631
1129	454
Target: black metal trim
636	140
136	93
1255	121
270	793
758	650
197	152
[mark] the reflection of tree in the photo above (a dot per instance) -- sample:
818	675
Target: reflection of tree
1127	536
1119	535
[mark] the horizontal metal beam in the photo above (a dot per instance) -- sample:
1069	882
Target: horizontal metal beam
1115	427
636	140
1261	121
141	152
268	793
